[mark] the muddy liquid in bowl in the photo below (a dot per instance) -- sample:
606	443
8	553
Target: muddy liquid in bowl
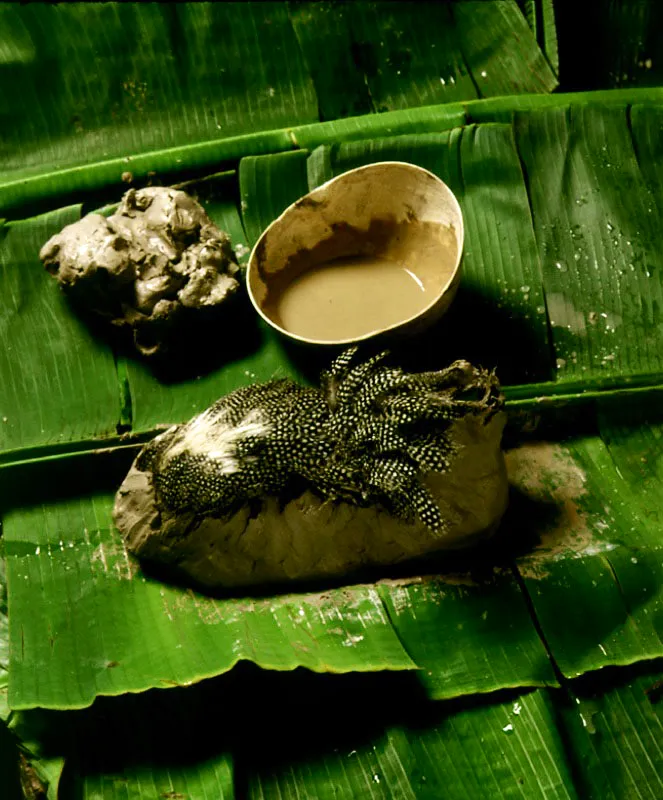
352	296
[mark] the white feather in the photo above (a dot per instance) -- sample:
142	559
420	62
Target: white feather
211	436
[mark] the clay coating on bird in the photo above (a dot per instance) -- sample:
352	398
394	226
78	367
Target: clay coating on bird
278	482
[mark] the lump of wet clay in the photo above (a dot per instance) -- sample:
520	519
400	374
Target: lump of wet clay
279	482
148	267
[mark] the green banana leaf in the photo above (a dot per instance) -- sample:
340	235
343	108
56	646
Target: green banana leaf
168	75
362	736
45	542
594	230
458	677
99	626
540	16
49	352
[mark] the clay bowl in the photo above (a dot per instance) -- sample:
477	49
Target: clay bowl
374	251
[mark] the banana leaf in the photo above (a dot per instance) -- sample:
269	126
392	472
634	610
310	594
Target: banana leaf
465	677
363	736
100	625
384	56
22	770
163	76
168	75
59	383
499	171
100	620
578	343
586	742
9	776
619	581
540	16
23	197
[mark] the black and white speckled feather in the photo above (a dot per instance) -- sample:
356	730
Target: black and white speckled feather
368	436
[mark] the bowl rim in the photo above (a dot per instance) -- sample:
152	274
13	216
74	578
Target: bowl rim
460	239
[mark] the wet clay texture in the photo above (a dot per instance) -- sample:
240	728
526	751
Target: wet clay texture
151	265
348	507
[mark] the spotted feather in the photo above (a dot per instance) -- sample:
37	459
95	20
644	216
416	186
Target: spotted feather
368	435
